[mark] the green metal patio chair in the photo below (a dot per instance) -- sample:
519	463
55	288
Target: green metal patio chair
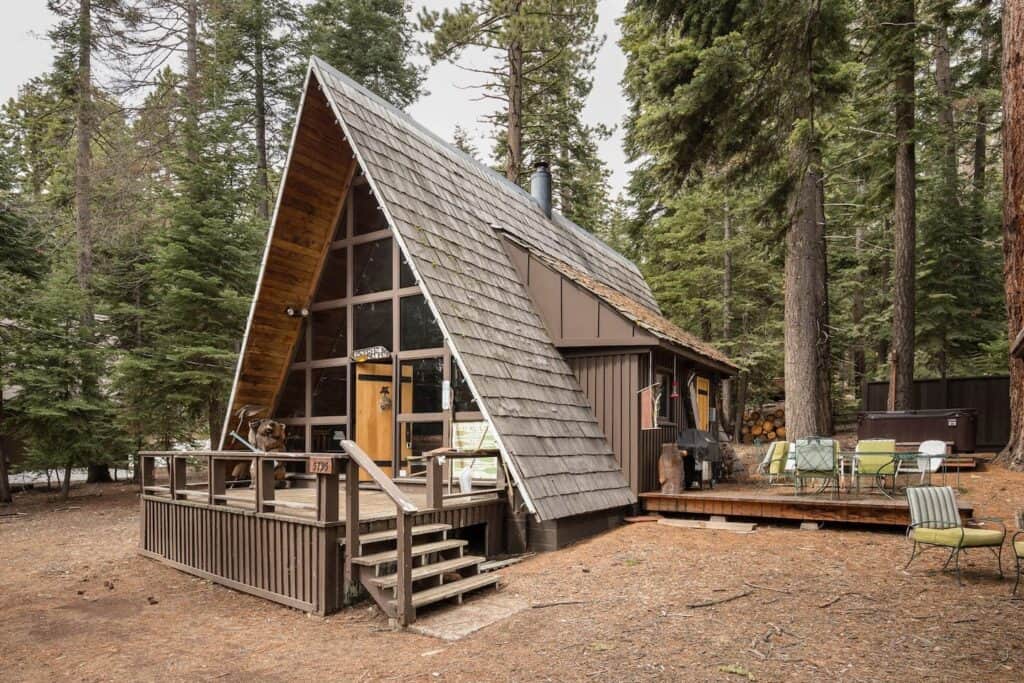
774	463
1017	545
935	522
816	458
876	458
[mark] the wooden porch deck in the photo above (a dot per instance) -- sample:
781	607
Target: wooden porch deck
757	503
374	505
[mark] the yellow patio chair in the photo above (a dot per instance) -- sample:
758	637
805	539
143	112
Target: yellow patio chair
876	458
935	521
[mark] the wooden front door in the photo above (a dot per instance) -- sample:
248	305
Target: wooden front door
703	403
375	414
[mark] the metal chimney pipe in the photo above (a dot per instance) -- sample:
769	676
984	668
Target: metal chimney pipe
540	186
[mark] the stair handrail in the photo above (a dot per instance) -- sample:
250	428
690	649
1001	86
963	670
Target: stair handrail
404	509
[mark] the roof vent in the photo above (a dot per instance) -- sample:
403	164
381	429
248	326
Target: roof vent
540	186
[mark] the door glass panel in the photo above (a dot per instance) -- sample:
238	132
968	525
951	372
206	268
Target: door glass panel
330	391
329	334
416	439
419	328
421	385
293	396
332	280
372	267
372	324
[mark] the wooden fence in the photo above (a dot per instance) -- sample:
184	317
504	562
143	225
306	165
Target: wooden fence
989	396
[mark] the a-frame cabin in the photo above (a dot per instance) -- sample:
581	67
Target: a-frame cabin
412	301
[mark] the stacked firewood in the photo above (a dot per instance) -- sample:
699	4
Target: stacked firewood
766	424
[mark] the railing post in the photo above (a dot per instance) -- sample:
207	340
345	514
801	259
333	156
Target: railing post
264	484
403	598
327	497
435	494
179	475
217	480
327	512
145	472
351	581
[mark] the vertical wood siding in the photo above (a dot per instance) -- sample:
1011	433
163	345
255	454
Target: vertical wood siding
273	558
611	382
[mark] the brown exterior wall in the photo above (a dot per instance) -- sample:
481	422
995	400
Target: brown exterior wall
573	316
611	382
555	534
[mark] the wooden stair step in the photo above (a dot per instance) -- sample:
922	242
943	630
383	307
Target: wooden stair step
392	534
417	550
451	590
390	580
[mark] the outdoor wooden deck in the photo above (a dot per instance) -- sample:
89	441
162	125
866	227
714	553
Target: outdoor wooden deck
753	503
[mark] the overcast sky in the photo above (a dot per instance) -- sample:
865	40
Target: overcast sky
25	52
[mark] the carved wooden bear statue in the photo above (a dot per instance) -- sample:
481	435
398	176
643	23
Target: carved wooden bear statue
268	436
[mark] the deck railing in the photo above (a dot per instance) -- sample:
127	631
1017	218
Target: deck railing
237	549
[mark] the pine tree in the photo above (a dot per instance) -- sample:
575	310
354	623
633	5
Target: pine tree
370	41
741	88
541	77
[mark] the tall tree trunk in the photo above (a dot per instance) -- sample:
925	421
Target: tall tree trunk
192	77
5	484
83	158
727	312
83	191
905	223
807	372
946	116
262	179
1013	213
857	314
980	156
65	485
215	409
514	131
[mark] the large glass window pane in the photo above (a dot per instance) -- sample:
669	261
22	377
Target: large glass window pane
330	391
328	438
295	438
300	345
419	329
293	396
421	385
372	325
368	218
340	231
462	397
405	276
416	439
329	334
333	279
371	263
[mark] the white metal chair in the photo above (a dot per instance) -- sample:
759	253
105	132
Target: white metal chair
930	461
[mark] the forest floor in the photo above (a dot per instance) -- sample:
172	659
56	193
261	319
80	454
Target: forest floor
78	602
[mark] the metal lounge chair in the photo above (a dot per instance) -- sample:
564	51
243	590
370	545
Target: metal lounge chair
935	522
876	458
816	458
773	466
930	461
1017	545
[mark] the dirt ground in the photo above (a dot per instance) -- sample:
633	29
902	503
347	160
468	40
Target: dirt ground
78	603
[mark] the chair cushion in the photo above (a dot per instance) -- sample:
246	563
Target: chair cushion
876	464
1018	548
952	538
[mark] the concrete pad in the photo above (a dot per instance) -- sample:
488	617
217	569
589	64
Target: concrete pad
455	622
735	527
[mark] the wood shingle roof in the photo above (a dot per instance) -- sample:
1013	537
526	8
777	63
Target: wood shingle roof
445	207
